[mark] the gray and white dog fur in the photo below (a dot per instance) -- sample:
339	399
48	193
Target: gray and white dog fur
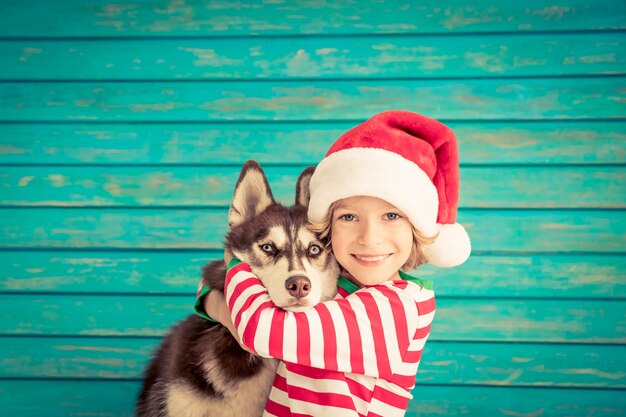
199	370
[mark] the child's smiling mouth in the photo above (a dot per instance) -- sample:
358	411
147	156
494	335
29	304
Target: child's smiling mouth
371	260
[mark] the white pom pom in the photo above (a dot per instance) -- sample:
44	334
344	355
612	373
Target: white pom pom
451	248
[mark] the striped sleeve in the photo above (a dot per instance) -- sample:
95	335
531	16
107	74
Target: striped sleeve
369	332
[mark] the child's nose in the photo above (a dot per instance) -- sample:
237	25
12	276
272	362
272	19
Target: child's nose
369	234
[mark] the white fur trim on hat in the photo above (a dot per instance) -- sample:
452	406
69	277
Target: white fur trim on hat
378	173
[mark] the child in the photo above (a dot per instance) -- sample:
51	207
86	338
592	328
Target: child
385	198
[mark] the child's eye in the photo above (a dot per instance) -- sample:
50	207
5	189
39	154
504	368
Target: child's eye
348	217
392	216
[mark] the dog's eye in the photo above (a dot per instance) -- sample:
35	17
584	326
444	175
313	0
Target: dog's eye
268	247
314	250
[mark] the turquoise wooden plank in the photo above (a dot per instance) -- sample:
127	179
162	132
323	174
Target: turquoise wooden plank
478	319
76	358
523	364
306	143
225	18
123	228
165	272
322	57
54	398
498	364
134	272
516	187
546	231
92	315
129	186
491	230
492	99
33	398
554	187
551	321
530	276
486	401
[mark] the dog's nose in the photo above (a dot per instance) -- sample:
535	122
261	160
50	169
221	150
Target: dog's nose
298	286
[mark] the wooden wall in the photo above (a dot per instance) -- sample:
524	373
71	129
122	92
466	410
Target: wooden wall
123	127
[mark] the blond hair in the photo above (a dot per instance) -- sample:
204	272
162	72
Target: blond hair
416	258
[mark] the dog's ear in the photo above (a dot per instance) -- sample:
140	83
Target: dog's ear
252	194
302	187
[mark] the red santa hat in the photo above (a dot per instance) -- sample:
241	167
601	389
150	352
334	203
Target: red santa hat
408	160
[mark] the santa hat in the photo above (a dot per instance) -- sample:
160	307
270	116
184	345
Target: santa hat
408	160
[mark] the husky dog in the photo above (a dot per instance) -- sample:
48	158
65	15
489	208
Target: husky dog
200	370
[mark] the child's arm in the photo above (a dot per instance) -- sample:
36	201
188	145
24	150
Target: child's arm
211	306
215	306
212	275
372	332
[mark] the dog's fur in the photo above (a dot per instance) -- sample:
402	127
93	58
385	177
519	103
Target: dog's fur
200	370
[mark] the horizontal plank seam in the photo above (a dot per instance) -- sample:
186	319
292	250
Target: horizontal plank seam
296	80
320	35
154	338
294	165
439	341
224	208
563	386
191	293
580	387
219	250
307	122
311	122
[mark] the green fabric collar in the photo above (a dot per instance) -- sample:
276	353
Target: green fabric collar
351	287
426	284
233	262
347	285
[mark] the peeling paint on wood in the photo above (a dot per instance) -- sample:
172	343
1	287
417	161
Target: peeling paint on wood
544	365
541	143
165	272
535	99
228	18
589	321
491	230
337	58
95	399
518	187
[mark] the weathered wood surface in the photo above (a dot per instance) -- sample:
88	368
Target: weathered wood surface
116	399
123	126
204	228
528	276
328	57
482	99
474	319
449	363
535	143
141	18
205	186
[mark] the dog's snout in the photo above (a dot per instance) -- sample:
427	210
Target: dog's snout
298	286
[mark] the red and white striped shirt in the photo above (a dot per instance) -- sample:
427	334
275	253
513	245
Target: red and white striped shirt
356	355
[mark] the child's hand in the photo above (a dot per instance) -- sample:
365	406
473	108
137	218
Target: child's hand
215	306
228	256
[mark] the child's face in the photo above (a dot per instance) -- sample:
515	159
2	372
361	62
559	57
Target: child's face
371	239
